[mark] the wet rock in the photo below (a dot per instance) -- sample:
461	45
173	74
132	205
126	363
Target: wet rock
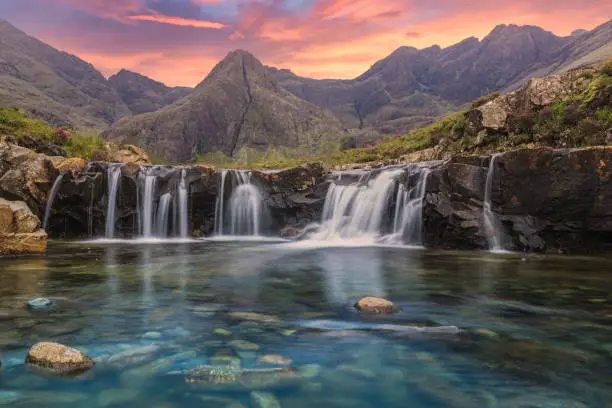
57	358
222	332
117	396
133	356
232	378
309	370
274	359
371	304
256	317
152	335
264	400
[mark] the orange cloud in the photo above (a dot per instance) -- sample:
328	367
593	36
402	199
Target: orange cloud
185	22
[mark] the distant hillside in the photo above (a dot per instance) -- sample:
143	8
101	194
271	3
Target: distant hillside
142	94
239	106
53	85
412	87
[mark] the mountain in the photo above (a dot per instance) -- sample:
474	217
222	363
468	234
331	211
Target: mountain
53	85
239	106
143	94
411	87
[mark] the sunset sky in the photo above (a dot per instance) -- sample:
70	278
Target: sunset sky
179	41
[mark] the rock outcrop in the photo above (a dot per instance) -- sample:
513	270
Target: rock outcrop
121	154
20	231
545	200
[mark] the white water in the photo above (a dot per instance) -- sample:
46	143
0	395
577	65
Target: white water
246	209
113	175
147	206
51	199
408	220
163	211
219	213
183	206
491	224
356	211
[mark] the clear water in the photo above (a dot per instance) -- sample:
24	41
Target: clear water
534	332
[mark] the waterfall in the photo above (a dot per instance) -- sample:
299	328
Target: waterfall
219	214
491	224
147	210
163	211
183	206
246	209
357	210
408	220
113	175
51	199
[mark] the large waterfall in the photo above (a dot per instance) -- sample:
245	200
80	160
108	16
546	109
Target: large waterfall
113	176
491	224
246	211
375	206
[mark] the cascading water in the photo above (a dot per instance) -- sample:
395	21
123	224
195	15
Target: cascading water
357	211
363	209
408	220
147	209
219	206
491	224
183	206
113	175
163	212
51	199
246	209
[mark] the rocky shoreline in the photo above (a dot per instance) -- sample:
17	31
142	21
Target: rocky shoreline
546	200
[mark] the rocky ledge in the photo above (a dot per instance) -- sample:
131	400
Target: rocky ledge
20	230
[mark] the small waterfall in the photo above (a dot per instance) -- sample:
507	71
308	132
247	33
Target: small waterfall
219	213
183	206
357	210
147	210
491	224
246	209
163	212
113	175
408	220
246	206
51	199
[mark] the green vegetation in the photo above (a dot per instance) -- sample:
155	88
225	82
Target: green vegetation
35	134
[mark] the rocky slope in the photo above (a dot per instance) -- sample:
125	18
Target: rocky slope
411	87
55	86
142	94
238	106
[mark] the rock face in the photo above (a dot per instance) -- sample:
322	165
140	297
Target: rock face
20	230
545	200
238	106
58	359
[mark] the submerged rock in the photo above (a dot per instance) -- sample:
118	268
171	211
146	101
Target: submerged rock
58	358
264	400
233	378
40	304
274	359
371	304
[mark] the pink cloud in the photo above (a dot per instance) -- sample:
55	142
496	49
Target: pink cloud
185	22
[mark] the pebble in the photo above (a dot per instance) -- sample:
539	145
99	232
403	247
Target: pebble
40	304
152	335
222	332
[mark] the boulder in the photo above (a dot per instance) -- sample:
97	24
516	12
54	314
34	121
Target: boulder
543	91
73	165
20	230
494	113
371	304
121	154
58	359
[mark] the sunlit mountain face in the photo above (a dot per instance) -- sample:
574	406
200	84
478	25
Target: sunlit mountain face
179	41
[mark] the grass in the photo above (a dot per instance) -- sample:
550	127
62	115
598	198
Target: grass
17	125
